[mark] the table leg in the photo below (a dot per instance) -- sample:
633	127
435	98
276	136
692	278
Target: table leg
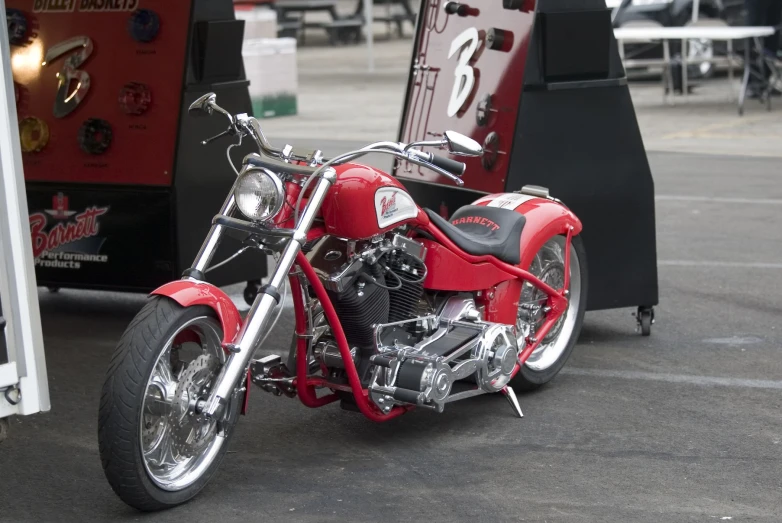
685	86
775	77
730	64
369	26
668	94
409	12
745	79
765	64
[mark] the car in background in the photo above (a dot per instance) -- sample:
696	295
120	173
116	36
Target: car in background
678	13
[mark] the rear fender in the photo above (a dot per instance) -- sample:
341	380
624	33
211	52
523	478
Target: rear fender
188	293
545	219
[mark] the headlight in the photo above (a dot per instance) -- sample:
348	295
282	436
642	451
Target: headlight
259	194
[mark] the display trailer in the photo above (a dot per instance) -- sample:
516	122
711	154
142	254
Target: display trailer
120	190
541	86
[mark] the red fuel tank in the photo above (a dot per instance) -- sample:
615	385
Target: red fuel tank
365	201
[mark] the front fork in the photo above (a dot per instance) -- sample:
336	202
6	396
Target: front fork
244	345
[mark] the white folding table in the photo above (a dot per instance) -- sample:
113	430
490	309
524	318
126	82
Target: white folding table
751	35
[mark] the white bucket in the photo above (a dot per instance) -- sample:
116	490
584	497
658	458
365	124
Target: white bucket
258	23
270	66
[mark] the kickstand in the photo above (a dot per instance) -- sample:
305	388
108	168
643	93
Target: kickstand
514	402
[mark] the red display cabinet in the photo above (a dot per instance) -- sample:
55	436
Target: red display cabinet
120	191
541	86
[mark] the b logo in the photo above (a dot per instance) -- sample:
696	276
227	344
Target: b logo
464	73
66	102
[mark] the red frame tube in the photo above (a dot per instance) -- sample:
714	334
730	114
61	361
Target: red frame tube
305	391
519	273
305	384
308	396
556	299
568	240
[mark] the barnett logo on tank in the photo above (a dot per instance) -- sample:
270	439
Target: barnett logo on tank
65	239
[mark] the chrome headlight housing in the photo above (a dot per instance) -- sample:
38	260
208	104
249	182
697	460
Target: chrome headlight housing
259	194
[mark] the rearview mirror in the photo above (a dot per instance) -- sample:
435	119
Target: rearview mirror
203	106
206	105
462	145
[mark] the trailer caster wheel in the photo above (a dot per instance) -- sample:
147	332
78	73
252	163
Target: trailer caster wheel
251	291
645	319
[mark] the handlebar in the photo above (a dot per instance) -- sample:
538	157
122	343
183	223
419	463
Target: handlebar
257	160
452	166
280	159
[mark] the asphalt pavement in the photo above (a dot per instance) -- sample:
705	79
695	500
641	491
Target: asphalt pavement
684	425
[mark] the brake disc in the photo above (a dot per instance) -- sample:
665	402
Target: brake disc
190	432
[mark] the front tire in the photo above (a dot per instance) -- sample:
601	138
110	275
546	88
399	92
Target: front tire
550	356
155	451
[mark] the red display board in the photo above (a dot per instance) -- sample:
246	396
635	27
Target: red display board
468	72
124	62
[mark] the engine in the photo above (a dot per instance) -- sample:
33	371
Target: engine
460	356
408	347
370	283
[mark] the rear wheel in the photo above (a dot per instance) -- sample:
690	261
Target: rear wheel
156	451
553	352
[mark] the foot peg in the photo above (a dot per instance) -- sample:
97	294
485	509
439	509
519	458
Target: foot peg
514	402
271	375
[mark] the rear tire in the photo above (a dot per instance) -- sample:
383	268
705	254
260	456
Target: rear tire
135	386
551	355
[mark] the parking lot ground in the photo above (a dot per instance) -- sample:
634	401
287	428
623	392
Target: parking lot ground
681	426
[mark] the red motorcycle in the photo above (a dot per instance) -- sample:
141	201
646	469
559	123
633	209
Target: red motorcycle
396	308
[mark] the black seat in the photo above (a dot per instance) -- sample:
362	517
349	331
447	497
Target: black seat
481	230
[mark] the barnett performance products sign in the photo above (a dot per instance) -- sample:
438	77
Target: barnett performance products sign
66	239
98	237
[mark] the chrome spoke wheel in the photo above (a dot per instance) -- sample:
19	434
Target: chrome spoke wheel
177	444
156	450
549	267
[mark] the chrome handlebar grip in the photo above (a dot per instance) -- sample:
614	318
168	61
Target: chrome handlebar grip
425	160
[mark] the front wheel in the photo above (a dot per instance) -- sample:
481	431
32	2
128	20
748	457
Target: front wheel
155	450
554	350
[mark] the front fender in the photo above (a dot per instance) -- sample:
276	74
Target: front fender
188	293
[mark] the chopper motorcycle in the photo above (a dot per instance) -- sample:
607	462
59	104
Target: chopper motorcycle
396	308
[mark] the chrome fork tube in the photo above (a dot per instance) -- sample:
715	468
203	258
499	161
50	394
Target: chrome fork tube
212	240
261	311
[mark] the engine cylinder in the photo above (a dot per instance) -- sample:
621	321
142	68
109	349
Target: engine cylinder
359	310
404	301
